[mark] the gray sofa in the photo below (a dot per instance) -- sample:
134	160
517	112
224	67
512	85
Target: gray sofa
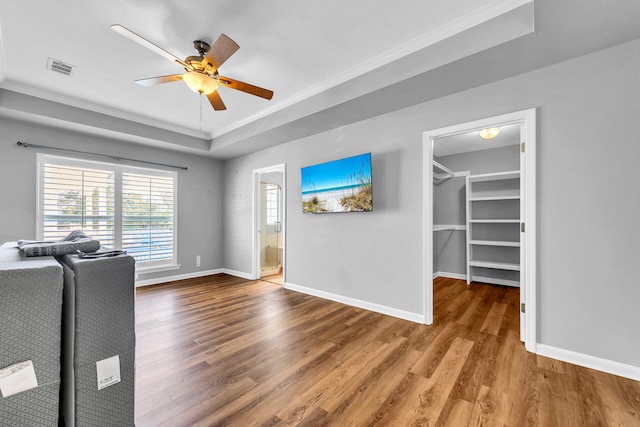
98	323
30	329
66	314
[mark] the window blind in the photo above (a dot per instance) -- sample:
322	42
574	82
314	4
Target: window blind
78	199
123	207
147	216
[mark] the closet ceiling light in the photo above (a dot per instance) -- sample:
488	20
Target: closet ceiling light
489	133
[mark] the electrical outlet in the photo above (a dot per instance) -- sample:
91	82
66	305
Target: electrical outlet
197	260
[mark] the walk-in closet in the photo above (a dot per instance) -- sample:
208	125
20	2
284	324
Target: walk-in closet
477	206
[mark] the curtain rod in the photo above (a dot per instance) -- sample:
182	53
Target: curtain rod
25	145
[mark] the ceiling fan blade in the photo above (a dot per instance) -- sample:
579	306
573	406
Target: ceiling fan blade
221	50
149	45
245	87
216	101
151	81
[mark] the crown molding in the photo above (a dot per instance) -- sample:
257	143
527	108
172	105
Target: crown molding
36	92
430	38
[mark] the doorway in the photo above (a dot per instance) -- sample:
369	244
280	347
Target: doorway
269	195
524	121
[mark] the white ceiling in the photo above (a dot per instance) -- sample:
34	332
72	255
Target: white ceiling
471	141
290	47
329	63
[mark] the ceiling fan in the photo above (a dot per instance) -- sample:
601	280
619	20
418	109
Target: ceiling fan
201	72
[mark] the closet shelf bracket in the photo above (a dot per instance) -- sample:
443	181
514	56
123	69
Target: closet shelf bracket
439	178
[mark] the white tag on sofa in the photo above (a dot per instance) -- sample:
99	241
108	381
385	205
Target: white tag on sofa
108	371
17	378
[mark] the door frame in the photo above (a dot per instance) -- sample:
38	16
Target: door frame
282	167
528	284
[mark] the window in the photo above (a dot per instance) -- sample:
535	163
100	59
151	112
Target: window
124	207
78	199
147	216
271	195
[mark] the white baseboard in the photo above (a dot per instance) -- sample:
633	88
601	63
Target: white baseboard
390	311
592	362
149	282
237	273
505	282
164	279
449	275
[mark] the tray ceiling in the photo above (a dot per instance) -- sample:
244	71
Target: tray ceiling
315	56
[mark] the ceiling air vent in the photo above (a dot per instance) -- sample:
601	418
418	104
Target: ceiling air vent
60	67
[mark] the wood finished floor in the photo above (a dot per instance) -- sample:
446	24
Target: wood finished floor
221	350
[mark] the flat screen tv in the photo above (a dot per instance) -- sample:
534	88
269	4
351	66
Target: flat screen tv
342	185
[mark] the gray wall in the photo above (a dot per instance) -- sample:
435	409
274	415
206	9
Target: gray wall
449	201
587	201
199	189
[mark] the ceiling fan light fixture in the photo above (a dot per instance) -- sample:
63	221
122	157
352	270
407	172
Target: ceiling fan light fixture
489	133
200	83
201	72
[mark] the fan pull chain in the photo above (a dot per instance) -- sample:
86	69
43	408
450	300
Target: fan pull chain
200	112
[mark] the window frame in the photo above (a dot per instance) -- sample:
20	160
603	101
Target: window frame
118	170
271	205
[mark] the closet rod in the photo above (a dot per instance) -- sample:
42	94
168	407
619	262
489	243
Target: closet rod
25	145
443	168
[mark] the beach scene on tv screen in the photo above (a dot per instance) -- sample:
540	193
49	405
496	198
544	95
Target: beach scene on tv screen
339	186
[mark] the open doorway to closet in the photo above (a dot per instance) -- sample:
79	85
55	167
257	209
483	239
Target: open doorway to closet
269	223
479	209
